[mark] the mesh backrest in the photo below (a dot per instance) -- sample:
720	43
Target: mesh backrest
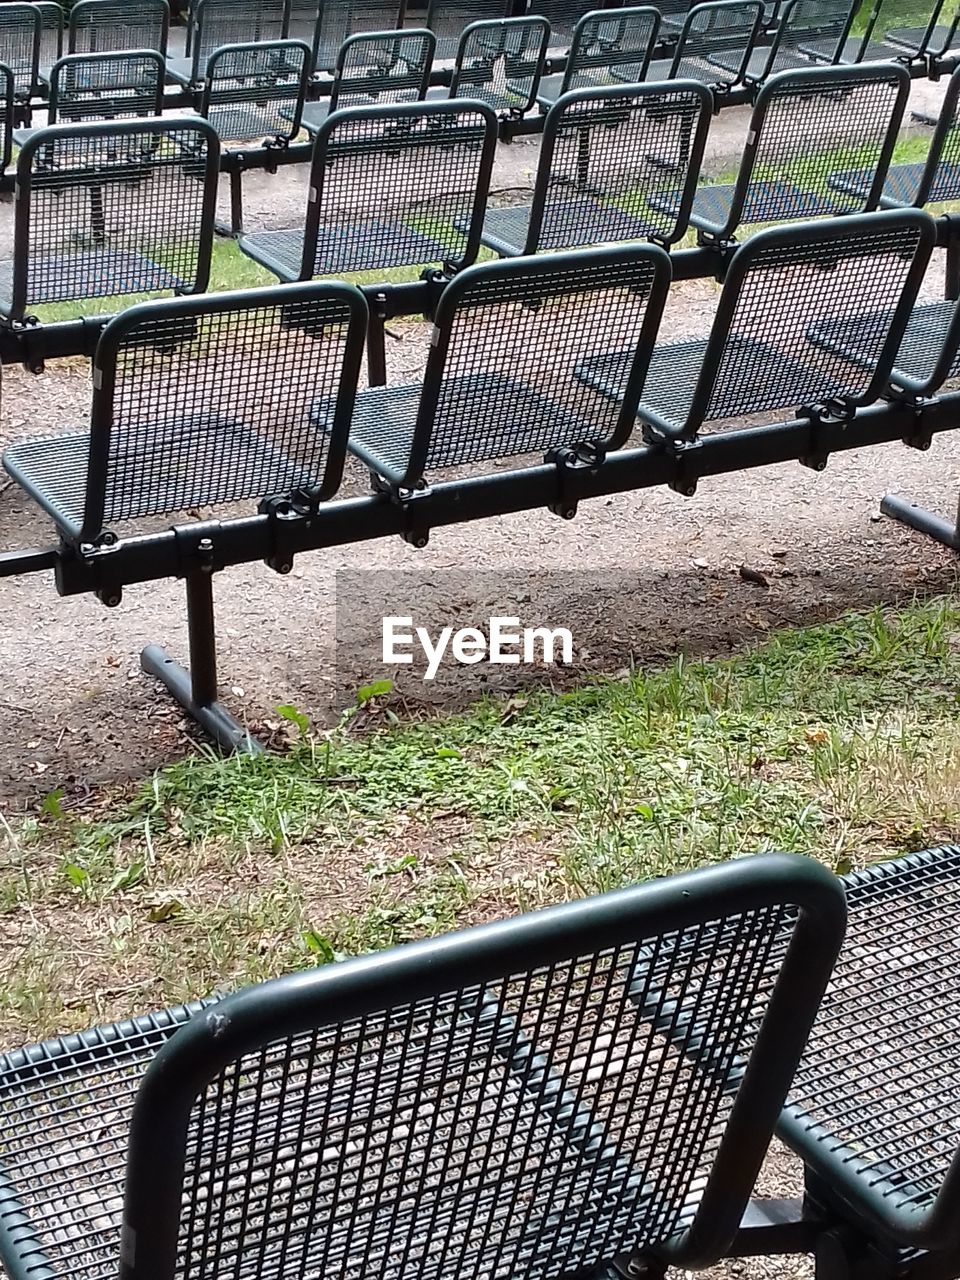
106	86
256	91
98	26
392	186
533	1123
889	1017
563	16
383	66
447	19
823	23
212	403
721	26
20	44
940	36
105	210
944	181
607	152
342	18
511	343
500	62
855	110
795	284
620	41
220	22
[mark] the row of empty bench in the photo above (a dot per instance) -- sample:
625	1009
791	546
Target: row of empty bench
112	209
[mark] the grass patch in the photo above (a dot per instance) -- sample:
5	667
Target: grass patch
841	740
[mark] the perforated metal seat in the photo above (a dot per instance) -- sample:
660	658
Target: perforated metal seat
499	380
115	208
256	91
20	36
103	86
500	62
424	168
716	27
339	19
781	176
604	42
215	23
927	356
802	23
376	67
935	179
108	26
762	353
603	152
499	1101
875	1106
201	401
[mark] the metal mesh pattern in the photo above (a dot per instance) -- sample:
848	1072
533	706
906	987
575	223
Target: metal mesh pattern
389	188
20	45
114	210
609	46
342	18
927	355
516	339
106	86
448	19
101	26
221	22
822	23
7	111
722	26
606	156
383	67
528	1126
51	31
772	356
879	1076
786	177
66	1108
531	1124
214	407
255	91
500	63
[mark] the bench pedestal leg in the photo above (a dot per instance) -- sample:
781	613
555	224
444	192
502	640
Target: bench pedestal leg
925	521
196	689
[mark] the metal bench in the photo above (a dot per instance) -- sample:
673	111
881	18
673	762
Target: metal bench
214	23
20	32
927	355
102	86
934	39
499	383
106	26
507	1100
500	62
201	401
605	154
389	187
104	210
802	25
762	353
719	27
256	91
376	67
608	46
937	178
871	45
782	176
339	19
874	1109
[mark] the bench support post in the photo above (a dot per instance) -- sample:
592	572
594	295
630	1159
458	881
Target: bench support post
196	689
927	522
